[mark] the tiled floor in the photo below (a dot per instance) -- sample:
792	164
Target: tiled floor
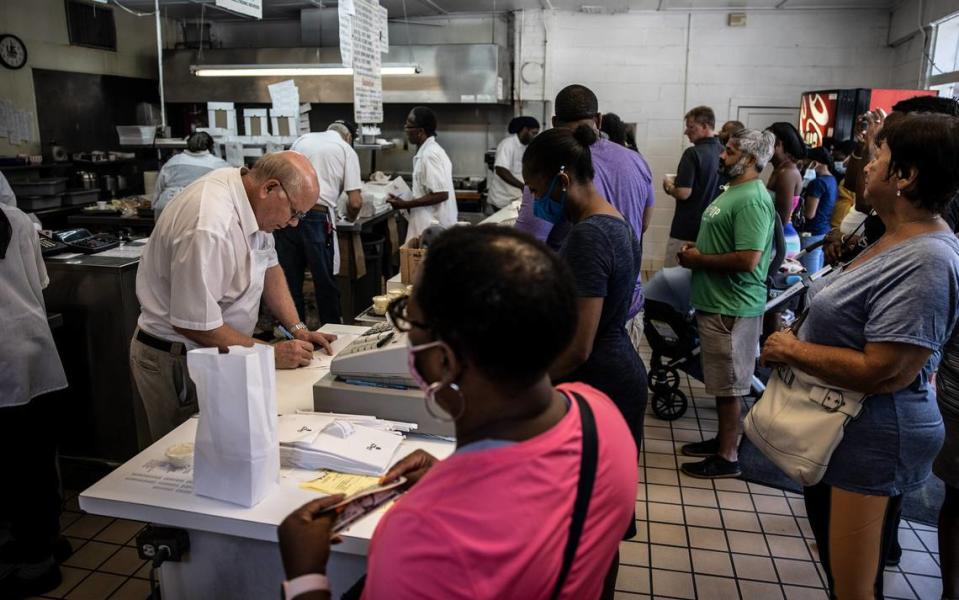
104	562
729	539
721	540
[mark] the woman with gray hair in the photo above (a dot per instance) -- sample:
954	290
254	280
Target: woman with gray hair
729	263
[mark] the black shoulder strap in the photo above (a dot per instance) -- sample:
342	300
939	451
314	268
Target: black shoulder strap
584	489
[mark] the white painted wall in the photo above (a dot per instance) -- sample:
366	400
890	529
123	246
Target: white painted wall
42	25
637	65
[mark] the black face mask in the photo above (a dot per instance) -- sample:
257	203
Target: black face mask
6	234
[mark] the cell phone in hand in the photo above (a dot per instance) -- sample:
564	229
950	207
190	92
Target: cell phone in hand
363	503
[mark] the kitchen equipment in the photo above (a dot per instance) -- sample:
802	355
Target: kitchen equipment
136	134
86	180
58	154
75	197
49	186
37	202
121	182
109	183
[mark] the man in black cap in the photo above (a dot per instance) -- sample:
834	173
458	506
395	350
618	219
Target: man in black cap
506	185
313	244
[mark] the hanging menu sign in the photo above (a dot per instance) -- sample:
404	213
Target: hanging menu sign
345	12
250	8
367	80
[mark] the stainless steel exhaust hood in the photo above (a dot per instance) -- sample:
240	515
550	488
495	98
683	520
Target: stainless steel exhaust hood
454	73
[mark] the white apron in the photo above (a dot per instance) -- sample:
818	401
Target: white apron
243	314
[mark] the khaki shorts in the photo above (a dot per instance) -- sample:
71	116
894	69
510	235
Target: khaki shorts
729	349
673	246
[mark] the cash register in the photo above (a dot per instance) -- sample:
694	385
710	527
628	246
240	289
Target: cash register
371	377
77	240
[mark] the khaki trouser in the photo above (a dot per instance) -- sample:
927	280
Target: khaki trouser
164	394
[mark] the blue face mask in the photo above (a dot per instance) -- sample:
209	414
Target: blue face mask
547	209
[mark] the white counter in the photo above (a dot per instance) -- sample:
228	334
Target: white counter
233	548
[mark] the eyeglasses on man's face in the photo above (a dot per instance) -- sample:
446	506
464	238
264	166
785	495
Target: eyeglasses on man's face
294	214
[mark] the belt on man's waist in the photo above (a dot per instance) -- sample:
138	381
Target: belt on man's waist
176	348
321	208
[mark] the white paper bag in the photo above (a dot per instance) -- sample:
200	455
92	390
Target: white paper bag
237	454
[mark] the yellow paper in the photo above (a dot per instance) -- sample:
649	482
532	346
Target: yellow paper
331	482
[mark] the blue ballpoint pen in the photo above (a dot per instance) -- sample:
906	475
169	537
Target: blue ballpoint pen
285	332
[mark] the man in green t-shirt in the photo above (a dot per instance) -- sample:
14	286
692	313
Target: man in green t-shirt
729	262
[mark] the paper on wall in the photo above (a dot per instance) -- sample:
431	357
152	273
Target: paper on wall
286	99
345	12
367	59
384	31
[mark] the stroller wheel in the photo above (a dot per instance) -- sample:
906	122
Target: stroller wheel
669	404
663	377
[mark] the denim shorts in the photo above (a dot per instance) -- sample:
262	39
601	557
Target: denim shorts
889	448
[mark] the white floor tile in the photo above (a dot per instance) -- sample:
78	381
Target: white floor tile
633	579
669	557
711	562
673	584
716	588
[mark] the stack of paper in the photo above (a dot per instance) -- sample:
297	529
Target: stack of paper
313	441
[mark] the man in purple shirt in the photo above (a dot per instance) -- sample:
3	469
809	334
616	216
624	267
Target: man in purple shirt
622	176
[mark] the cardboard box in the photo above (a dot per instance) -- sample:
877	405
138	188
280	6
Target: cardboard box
411	256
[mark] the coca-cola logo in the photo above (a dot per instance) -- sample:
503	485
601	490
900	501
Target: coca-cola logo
815	117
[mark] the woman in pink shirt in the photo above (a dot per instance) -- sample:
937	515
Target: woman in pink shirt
492	310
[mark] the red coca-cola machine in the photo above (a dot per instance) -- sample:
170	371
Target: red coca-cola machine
833	113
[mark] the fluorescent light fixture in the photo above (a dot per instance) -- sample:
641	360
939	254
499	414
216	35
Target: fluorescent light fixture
291	70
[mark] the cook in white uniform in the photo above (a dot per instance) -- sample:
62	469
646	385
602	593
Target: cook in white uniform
506	184
202	274
6	192
433	196
30	369
185	168
313	244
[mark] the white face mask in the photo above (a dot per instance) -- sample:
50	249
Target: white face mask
840	167
809	175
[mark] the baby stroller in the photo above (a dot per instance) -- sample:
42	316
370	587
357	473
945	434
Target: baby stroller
669	323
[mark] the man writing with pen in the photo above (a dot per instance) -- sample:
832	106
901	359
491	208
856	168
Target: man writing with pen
209	262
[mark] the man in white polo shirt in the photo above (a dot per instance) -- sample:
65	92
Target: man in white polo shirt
313	243
201	277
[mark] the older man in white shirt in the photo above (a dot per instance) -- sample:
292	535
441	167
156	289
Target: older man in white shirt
202	275
433	196
313	244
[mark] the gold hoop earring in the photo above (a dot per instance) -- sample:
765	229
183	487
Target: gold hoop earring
437	412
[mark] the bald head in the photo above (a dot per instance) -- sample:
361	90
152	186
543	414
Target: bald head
280	185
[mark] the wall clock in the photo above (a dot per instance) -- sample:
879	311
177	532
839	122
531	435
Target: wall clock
13	54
